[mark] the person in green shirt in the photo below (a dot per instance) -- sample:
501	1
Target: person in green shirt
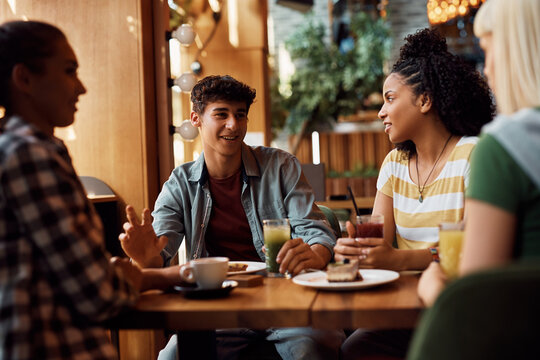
503	199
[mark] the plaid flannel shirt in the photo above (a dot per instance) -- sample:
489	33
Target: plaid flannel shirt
56	283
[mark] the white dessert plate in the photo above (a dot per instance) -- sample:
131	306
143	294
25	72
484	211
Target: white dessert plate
252	266
372	277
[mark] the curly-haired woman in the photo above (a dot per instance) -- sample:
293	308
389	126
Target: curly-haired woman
434	106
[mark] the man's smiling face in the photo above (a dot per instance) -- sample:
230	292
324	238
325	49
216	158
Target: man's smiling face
223	126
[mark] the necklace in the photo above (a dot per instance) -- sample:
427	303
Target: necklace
421	189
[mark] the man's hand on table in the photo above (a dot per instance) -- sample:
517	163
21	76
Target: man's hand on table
296	255
139	241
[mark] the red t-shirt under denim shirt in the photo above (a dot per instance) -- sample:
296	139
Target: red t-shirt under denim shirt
228	233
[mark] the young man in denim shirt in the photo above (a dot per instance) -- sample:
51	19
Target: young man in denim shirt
217	204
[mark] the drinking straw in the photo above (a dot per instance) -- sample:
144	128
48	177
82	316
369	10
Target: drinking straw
353	200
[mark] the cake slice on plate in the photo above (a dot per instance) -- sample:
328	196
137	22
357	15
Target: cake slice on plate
342	271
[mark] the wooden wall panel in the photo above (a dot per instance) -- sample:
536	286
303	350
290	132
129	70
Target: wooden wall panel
140	344
247	66
242	26
342	152
304	153
324	146
382	147
356	150
339	153
369	149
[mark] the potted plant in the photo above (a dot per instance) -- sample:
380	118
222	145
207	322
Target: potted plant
328	81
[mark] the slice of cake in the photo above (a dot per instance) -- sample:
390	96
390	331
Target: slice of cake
341	271
234	267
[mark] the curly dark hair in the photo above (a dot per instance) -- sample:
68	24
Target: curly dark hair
28	43
216	87
459	94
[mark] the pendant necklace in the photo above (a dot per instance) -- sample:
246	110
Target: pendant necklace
421	189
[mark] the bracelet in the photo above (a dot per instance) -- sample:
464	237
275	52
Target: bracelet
434	254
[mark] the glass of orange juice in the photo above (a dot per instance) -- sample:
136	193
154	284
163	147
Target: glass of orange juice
450	244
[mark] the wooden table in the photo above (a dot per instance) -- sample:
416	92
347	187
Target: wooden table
390	306
278	303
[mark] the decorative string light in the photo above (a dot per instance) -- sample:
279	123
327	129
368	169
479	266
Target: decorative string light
187	131
440	11
184	34
382	8
186	81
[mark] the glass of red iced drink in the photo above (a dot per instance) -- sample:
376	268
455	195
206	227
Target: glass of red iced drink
369	226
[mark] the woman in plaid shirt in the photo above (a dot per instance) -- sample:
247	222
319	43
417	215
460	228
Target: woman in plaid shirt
57	282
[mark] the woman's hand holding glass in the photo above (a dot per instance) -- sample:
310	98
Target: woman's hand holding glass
373	252
139	241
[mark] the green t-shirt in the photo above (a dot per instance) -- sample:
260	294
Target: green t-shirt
498	180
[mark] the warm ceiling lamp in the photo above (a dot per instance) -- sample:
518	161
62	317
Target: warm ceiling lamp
440	11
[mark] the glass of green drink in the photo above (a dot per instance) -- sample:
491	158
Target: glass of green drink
276	233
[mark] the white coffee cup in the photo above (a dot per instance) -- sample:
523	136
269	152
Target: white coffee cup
209	273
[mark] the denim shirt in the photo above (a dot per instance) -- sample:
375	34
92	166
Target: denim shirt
273	187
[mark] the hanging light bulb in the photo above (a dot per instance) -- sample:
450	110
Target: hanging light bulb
187	131
186	81
184	34
440	11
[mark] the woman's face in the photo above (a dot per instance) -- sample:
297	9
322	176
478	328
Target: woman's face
401	110
55	92
486	43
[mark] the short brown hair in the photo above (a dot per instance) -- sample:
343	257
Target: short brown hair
217	87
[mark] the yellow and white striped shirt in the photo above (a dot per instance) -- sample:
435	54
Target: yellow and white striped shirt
443	199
